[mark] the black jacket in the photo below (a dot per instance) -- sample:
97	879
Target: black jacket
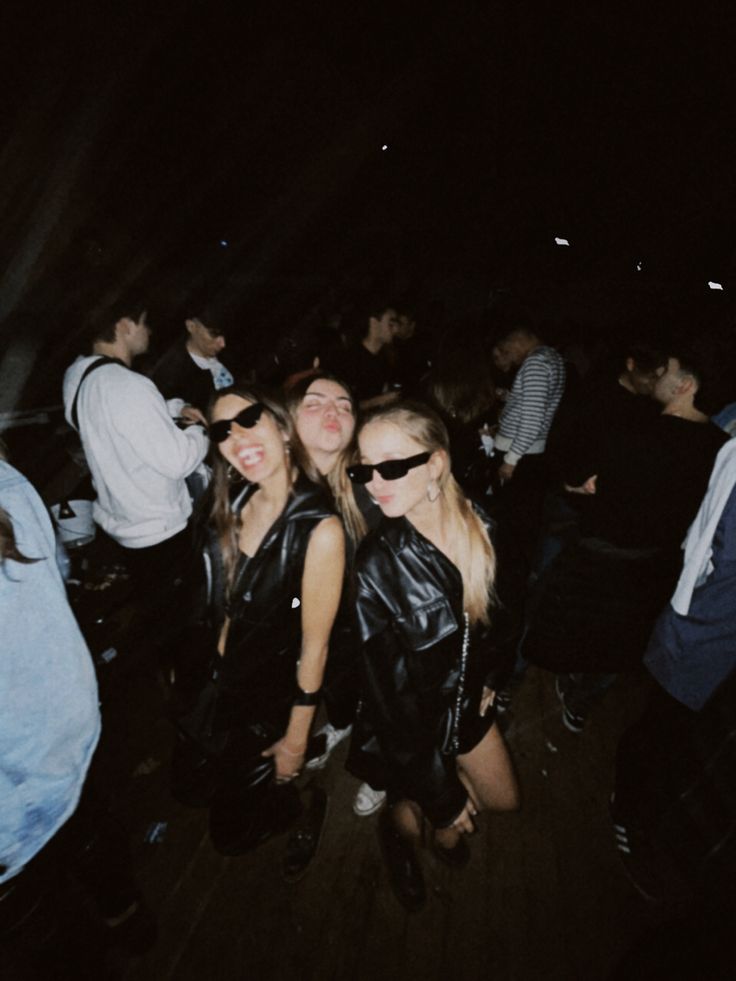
264	605
411	624
178	377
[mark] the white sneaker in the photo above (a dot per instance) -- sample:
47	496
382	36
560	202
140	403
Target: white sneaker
367	800
334	738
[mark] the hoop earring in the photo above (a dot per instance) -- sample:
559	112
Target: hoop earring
233	476
433	491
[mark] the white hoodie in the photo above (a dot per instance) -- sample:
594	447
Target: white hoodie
137	456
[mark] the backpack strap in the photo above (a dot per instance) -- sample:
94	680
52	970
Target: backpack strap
99	363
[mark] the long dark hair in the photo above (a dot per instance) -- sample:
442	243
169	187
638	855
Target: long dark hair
8	545
226	522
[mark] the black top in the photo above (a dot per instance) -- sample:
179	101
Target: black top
650	489
264	606
411	623
367	374
595	428
177	376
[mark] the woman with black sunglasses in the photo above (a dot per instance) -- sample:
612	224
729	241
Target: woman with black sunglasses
424	590
275	560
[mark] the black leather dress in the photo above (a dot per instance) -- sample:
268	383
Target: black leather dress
257	674
409	731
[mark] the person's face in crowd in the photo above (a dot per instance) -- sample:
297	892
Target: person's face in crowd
406	327
501	358
384	328
137	334
258	452
669	384
204	341
325	421
407	496
513	350
642	382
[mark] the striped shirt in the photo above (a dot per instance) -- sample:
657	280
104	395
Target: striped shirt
531	405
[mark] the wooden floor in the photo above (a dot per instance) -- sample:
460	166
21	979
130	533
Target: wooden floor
543	898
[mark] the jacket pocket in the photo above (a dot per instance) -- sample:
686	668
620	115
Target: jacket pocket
426	625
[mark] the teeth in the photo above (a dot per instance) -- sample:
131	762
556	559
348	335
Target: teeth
250	456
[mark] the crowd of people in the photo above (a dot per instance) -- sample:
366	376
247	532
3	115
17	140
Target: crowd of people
375	551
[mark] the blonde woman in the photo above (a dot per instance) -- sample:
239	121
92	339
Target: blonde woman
424	588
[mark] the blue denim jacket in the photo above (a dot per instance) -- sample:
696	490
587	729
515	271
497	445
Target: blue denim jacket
49	712
690	656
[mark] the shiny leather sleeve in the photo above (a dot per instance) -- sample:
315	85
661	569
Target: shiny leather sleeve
408	737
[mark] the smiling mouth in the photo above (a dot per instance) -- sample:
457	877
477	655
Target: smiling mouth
250	455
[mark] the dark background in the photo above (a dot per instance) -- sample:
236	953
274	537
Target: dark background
135	139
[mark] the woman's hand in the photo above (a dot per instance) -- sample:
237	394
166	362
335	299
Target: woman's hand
288	760
487	699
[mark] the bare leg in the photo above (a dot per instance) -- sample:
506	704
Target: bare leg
406	817
488	774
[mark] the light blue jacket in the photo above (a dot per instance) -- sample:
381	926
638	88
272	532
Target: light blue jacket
49	711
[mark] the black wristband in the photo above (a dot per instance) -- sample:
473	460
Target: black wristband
307	698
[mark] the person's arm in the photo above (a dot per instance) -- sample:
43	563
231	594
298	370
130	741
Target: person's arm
143	419
322	582
534	382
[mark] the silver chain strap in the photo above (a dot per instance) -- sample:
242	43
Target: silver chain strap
455	740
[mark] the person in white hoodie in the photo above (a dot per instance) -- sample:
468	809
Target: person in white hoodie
137	456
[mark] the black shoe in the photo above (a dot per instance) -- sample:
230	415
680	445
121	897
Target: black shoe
404	872
652	873
136	931
456	857
574	721
303	842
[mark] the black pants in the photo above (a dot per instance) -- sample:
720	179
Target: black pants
91	848
521	504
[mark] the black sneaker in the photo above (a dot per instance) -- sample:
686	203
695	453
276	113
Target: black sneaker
574	721
651	872
303	842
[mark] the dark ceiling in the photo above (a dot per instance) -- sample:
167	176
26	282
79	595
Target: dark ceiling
136	140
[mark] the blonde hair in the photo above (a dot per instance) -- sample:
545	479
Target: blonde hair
473	555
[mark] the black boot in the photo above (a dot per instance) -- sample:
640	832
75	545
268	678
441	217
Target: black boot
304	840
404	871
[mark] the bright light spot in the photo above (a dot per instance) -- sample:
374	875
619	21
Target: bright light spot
224	243
561	241
638	266
385	146
714	286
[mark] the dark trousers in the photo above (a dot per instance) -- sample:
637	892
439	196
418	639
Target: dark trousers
91	849
521	504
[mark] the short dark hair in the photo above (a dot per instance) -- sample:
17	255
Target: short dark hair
646	359
375	306
701	372
103	319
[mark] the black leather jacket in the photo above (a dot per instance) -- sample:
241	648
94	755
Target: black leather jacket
264	606
411	622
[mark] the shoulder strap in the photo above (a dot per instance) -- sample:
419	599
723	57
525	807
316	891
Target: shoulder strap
99	363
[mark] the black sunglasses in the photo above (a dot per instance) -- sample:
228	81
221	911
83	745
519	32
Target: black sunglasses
220	430
362	473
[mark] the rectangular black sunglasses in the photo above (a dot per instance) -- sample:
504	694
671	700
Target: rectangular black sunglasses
362	473
220	430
